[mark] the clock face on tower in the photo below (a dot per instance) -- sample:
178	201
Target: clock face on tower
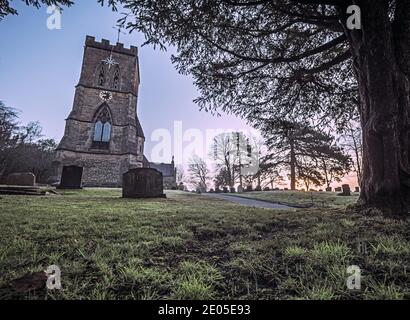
105	95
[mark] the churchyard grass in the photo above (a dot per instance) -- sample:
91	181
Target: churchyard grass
193	247
303	198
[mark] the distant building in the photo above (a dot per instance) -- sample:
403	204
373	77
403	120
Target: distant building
168	171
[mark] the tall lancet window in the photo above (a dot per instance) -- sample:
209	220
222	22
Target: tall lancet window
116	78
101	75
102	129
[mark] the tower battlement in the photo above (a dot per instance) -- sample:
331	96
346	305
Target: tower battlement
106	45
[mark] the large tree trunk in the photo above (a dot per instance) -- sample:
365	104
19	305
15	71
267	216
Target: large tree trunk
381	60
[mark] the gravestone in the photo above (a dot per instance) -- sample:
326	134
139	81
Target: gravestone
240	189
338	189
258	188
346	190
21	179
143	183
357	189
225	190
71	178
249	188
329	189
233	190
266	189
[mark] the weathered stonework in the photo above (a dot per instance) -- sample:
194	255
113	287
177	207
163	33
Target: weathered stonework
104	162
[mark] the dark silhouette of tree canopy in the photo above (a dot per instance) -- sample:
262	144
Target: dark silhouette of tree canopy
293	59
309	155
21	148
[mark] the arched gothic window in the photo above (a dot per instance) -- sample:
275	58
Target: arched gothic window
102	129
116	78
101	75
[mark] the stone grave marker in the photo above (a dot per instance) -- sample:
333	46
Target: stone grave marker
143	183
71	178
346	190
21	179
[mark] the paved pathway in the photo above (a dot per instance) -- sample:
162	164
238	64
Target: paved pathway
248	202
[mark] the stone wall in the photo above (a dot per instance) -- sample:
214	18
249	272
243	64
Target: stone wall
170	183
100	170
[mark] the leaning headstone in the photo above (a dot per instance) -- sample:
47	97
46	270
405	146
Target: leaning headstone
21	179
143	183
329	189
71	177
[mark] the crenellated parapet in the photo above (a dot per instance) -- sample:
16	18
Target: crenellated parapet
106	45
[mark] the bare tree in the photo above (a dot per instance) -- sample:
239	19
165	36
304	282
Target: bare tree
180	177
198	173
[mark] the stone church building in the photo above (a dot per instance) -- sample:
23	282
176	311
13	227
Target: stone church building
103	136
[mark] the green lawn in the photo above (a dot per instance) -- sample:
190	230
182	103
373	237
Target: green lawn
193	247
302	198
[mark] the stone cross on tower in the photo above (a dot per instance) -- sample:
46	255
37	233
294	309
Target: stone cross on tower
110	61
119	28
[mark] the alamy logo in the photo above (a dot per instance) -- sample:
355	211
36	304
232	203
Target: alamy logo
53	278
354	280
354	22
54	20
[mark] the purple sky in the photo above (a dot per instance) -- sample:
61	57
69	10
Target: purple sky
40	67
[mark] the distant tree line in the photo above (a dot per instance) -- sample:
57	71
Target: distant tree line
295	151
22	148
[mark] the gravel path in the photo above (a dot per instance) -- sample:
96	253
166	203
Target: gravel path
248	202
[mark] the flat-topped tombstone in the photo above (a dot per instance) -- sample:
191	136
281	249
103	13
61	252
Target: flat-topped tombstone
346	190
142	183
329	189
357	189
21	179
71	177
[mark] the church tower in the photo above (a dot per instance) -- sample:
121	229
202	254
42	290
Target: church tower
103	136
